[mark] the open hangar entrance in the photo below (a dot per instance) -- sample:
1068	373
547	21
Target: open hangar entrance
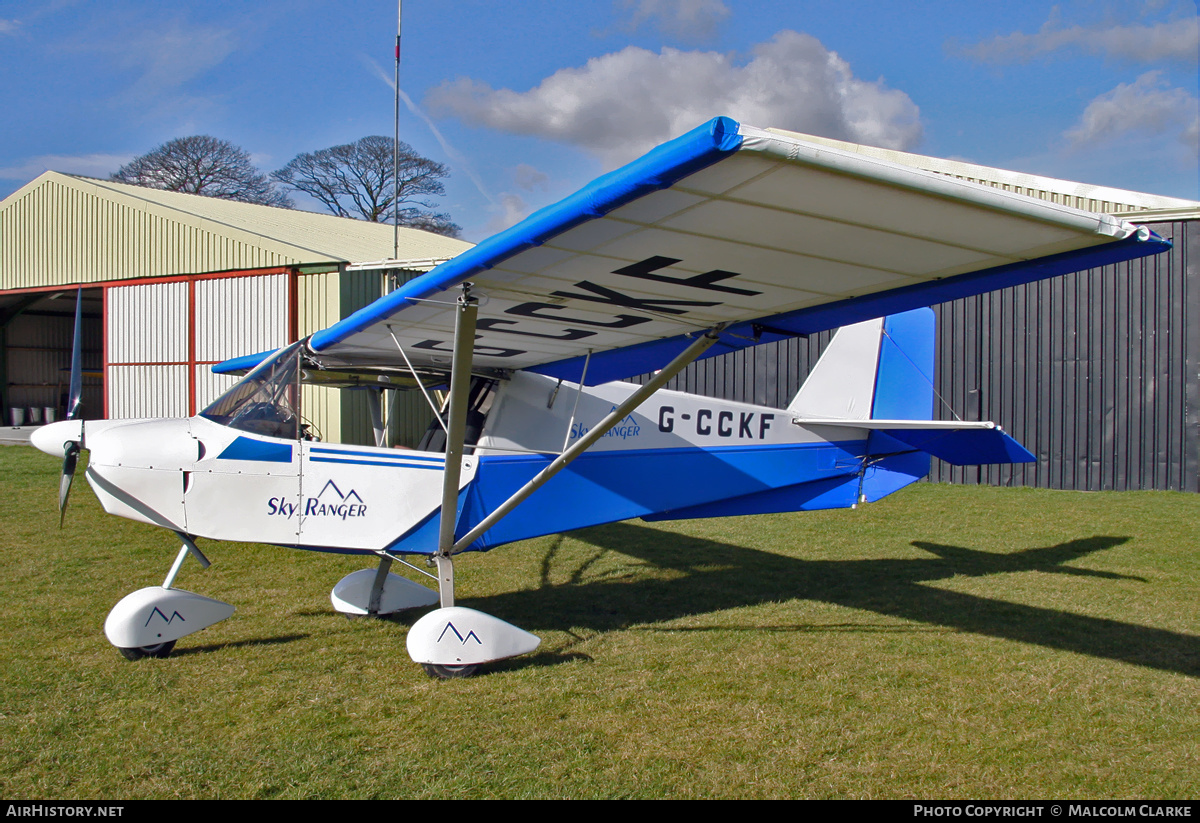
36	333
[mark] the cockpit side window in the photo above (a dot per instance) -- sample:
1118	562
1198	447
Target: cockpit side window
266	401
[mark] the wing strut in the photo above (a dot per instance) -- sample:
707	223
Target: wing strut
480	637
460	385
697	348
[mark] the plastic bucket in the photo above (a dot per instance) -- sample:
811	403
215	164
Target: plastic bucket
17	416
35	415
49	413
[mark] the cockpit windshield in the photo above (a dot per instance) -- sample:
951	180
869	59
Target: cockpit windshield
266	401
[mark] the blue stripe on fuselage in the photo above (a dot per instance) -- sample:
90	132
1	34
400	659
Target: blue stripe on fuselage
387	464
391	454
602	487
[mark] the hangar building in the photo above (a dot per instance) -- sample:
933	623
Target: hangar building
173	283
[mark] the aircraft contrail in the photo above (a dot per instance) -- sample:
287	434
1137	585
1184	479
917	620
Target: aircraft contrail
459	160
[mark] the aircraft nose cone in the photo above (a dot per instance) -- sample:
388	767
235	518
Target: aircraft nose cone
51	438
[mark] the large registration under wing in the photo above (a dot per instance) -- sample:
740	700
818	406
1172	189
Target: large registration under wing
729	224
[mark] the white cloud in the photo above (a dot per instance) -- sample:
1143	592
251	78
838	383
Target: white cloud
1177	40
88	165
1190	136
9	26
686	19
622	104
513	209
1147	106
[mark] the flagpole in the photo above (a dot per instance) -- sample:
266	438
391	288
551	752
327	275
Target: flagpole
396	147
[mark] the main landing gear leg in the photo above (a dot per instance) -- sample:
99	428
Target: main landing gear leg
452	641
445	568
147	622
377	592
445	575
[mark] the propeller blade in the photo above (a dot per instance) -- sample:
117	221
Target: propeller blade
76	390
70	460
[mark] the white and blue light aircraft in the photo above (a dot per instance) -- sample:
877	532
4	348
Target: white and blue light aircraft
727	237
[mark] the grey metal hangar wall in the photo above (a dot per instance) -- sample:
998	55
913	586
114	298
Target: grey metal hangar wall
1097	373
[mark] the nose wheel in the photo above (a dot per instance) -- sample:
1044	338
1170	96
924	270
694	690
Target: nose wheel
147	622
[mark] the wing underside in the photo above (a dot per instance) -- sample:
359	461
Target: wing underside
768	235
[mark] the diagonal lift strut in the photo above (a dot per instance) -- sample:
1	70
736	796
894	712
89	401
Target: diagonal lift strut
460	378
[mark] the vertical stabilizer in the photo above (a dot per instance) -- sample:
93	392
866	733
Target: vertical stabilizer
880	369
842	384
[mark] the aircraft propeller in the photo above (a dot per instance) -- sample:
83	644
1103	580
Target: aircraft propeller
70	459
71	448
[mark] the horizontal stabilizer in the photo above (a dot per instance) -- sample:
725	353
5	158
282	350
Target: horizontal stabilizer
964	447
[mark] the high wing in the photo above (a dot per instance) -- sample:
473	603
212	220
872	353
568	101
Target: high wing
765	235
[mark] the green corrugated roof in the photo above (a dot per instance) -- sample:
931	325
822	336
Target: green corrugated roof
60	228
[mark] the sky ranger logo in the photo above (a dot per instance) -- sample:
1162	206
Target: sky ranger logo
462	639
627	428
337	505
163	617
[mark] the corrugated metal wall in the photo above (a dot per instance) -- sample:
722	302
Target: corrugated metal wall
149	342
317	305
163	336
147	391
1097	373
357	289
236	316
240	315
148	330
141	320
408	414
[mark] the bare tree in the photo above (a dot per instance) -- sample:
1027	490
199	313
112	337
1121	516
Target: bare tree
357	180
203	165
439	223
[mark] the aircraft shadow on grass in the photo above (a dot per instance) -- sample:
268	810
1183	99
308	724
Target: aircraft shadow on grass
718	576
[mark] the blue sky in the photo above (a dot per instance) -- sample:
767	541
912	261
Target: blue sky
526	101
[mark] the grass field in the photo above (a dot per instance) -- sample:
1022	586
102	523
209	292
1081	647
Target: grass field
948	642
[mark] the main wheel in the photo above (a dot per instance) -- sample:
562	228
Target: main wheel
159	650
448	672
